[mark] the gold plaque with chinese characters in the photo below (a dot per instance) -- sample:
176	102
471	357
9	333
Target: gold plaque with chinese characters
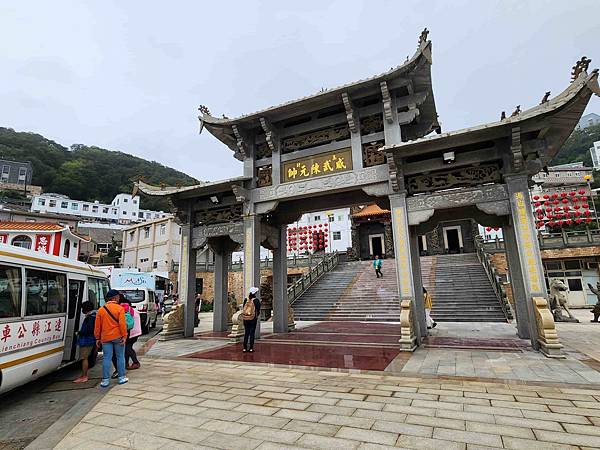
318	166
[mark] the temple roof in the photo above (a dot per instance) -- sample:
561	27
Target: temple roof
203	188
370	211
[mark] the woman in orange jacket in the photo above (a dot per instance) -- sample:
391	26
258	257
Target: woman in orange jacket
111	333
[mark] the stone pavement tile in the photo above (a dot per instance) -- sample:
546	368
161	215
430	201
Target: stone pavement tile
568	438
152	395
468	437
326	443
228	441
494	410
119	410
376	437
95	445
327	409
185	420
250	400
309	392
529	423
273	435
575	410
380	415
278	446
361	404
256	409
394	400
148	414
332	388
490	396
235	384
467	387
504	430
264	421
120	400
224	426
582	429
407	441
184	400
580	391
572	397
464	400
372	392
455	424
409	410
395	388
212	395
520	405
544	401
278	395
268	388
245	392
152	404
221	414
81	427
437	405
345	396
566	418
107	420
357	422
104	434
288	404
70	442
185	409
312	427
182	433
592	405
403	428
141	441
218	404
300	415
371	446
528	444
317	400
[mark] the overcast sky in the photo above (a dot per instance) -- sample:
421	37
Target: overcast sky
129	75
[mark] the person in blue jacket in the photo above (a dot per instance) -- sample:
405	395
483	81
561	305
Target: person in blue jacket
86	340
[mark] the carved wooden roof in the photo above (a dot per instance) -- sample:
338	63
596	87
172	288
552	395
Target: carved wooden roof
203	188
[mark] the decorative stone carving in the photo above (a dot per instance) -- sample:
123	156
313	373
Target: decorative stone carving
466	176
314	138
547	337
388	240
270	134
219	215
559	301
517	111
496	208
580	66
173	323
417	217
393	172
464	197
355	178
355	235
201	234
545	98
434	243
350	115
596	309
423	37
371	154
263	150
241	141
291	320
516	149
377	190
387	102
408	339
204	110
371	124
237	330
231	307
264	177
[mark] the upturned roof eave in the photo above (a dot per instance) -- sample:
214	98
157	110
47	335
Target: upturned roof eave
196	190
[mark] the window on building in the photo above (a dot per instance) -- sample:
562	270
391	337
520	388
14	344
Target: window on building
114	211
148	215
5	173
52	203
104	210
156	216
577	174
22	173
575	284
570	174
86	207
337	235
131	236
103	247
146	232
41	202
317	218
124	213
331	218
163	229
557	175
143	260
340	218
22	241
64	205
46	292
141	215
135	201
155	265
574	264
74	206
124	200
94	209
10	291
67	249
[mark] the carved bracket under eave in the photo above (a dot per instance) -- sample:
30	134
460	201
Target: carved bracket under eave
495	208
241	194
393	171
387	102
270	134
516	149
418	217
377	190
350	113
241	141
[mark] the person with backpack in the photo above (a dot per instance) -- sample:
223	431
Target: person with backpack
134	330
86	340
110	331
250	312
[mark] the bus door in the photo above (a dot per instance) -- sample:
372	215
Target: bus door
76	290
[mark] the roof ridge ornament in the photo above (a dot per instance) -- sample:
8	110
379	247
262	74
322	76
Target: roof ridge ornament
517	111
580	67
204	110
423	37
503	115
545	98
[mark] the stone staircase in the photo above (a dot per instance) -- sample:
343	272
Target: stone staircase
463	292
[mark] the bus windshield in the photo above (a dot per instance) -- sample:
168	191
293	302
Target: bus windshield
134	296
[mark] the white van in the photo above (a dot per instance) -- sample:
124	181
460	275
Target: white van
144	301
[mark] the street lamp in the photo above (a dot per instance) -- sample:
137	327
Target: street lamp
588	179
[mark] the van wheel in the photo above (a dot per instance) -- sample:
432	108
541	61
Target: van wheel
144	328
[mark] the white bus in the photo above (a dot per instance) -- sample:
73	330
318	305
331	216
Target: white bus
40	311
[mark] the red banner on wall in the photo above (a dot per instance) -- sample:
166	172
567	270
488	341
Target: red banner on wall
3	238
42	243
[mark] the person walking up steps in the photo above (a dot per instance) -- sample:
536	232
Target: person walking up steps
428	301
250	312
377	263
111	333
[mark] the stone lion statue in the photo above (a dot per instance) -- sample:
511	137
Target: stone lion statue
559	301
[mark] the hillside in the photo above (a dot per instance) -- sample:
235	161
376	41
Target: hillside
86	173
577	147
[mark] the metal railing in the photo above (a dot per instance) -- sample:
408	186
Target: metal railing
327	264
266	263
565	239
494	277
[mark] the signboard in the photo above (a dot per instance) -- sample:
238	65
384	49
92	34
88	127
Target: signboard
317	166
3	238
527	236
42	243
133	280
30	333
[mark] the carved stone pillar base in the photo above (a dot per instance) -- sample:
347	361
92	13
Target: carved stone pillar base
408	339
547	336
237	330
291	321
173	324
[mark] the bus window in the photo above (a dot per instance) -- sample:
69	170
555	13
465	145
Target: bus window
97	289
46	292
10	292
102	290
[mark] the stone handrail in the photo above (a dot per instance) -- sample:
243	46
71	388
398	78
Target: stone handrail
492	274
327	264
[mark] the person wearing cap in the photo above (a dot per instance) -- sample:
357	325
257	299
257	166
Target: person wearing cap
250	312
111	334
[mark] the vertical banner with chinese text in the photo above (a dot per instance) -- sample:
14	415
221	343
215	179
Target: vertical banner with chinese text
42	243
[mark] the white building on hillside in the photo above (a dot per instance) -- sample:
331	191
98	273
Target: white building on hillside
595	152
124	209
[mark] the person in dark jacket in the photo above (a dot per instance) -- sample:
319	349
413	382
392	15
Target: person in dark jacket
86	340
250	323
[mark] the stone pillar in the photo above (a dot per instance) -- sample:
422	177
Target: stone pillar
222	259
280	298
388	239
417	281
516	282
541	329
187	276
404	274
252	257
355	236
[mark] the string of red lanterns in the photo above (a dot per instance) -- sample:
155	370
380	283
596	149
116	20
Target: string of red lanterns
554	209
308	237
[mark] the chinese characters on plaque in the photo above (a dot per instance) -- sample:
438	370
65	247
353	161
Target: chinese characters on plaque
527	237
402	253
42	243
26	334
318	166
3	238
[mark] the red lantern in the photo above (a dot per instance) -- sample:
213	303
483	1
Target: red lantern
558	208
536	197
587	212
584	199
556	202
546	203
581	191
586	205
575	199
540	224
496	228
488	229
563	194
566	208
588	219
572	193
548	209
577	206
559	223
565	200
577	213
569	222
555	195
546	196
551	223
